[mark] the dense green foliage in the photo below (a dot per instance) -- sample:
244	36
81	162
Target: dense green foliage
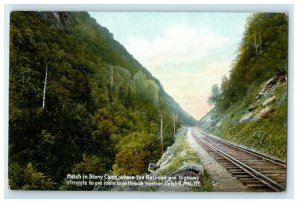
135	152
215	95
28	178
101	106
263	54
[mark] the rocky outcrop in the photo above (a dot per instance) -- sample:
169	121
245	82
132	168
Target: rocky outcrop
263	104
269	101
178	159
164	160
270	85
263	113
61	18
189	169
246	117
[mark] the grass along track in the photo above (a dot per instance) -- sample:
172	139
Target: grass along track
258	172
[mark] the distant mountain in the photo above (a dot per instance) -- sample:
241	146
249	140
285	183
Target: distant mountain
80	103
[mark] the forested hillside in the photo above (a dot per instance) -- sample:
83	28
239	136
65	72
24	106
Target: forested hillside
250	107
80	103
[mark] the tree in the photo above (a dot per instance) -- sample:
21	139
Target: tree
90	164
28	178
224	83
134	153
43	54
215	95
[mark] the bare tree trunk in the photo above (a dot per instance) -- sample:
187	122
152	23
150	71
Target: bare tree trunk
259	40
45	84
255	43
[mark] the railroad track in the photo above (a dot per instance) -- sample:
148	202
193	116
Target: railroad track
258	172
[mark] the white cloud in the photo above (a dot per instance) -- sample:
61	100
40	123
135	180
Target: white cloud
178	43
177	58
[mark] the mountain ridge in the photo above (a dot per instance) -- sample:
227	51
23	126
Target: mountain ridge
80	103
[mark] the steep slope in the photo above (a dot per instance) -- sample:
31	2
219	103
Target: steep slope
79	103
250	107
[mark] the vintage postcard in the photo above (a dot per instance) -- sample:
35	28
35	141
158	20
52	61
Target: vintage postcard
148	101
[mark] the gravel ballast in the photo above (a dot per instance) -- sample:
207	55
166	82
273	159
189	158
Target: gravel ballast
223	181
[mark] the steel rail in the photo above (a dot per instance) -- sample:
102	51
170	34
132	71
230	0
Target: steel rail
257	175
263	156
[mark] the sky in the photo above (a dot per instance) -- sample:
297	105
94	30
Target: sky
187	51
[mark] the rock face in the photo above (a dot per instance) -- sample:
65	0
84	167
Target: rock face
179	158
189	169
61	18
263	104
263	113
269	101
246	117
182	164
270	85
164	160
251	108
